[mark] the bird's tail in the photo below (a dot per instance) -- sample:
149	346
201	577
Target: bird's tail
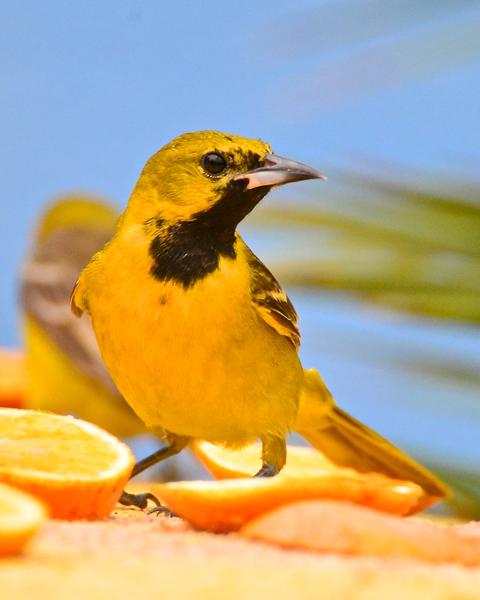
346	441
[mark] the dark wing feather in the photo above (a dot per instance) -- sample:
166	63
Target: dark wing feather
271	301
46	283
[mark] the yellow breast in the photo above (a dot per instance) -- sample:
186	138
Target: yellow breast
197	362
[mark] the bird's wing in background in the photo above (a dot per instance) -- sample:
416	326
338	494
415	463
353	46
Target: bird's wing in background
46	283
271	302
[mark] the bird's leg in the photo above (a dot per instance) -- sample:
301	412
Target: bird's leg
175	445
274	456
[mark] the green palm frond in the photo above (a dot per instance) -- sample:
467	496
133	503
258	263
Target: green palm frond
388	243
344	51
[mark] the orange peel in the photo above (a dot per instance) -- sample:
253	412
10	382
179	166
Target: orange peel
227	505
237	498
77	469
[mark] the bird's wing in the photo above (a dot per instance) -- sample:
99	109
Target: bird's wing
46	283
271	302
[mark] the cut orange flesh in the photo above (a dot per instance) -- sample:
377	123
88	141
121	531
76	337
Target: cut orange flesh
20	517
13	378
227	505
224	463
76	468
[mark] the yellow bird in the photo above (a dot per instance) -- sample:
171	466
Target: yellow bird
65	372
196	332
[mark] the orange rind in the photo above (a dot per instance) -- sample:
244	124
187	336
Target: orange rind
237	498
77	469
227	505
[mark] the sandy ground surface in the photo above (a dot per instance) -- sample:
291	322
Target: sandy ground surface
131	556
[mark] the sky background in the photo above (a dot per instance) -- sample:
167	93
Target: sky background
91	89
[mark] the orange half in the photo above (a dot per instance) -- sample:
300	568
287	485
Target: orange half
20	517
303	461
224	463
226	505
76	468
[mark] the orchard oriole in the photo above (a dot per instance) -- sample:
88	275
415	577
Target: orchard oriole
196	332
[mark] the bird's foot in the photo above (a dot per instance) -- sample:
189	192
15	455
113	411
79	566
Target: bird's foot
161	510
267	471
138	500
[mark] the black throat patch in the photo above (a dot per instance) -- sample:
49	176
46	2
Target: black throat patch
188	251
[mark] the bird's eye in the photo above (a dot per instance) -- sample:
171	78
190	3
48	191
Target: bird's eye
214	163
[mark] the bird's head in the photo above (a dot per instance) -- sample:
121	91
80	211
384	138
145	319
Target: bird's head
210	175
76	212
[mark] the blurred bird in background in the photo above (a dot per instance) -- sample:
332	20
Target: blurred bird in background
65	372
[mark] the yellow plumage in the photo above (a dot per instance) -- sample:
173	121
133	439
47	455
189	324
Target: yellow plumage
197	334
196	360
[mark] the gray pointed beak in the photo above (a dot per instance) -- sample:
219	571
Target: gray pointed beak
278	171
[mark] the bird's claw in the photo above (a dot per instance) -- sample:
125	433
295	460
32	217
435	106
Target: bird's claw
161	510
267	471
139	500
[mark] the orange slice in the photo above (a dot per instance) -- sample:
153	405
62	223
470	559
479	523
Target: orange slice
76	468
224	463
13	377
344	528
227	505
20	517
